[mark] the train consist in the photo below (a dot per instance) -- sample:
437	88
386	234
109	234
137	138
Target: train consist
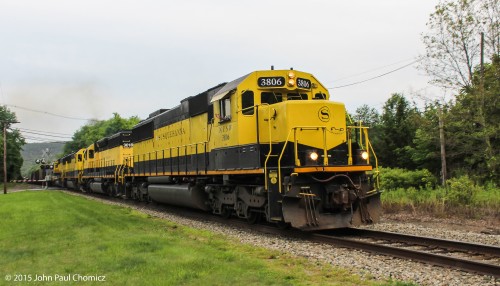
267	145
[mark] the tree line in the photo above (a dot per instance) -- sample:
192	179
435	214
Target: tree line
405	136
98	129
452	137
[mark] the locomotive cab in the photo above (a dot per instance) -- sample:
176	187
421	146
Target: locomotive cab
90	162
106	163
56	174
71	169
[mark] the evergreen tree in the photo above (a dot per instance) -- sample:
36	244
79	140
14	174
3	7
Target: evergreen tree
399	122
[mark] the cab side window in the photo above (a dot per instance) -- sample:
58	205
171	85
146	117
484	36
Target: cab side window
247	103
271	97
296	96
91	154
319	95
225	109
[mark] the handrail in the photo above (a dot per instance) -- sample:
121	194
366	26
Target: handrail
178	148
296	153
363	131
368	148
376	160
281	155
117	173
270	142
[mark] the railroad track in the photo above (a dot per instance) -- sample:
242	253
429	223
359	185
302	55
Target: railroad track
481	259
470	257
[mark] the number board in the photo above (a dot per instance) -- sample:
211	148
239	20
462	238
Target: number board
303	83
271	81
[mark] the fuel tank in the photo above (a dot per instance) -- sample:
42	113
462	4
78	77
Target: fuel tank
70	185
179	195
97	187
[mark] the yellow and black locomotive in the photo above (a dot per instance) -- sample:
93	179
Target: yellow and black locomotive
269	145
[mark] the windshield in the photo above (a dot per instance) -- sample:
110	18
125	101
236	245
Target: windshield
275	97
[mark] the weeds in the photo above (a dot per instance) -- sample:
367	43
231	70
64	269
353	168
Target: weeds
461	196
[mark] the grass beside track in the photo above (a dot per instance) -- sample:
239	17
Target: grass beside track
54	234
483	204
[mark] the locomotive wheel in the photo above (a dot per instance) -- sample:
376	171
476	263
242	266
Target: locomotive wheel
283	225
225	212
254	217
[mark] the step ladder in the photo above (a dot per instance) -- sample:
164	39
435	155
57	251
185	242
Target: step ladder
309	206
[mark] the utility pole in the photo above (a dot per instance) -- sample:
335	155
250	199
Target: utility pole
5	126
482	117
482	55
443	146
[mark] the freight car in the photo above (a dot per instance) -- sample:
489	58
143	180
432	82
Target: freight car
269	145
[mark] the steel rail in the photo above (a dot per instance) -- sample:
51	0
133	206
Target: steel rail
425	257
429	241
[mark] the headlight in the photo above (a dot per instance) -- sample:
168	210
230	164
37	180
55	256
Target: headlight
291	74
291	82
364	155
313	156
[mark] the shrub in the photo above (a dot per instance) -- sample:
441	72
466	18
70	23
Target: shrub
461	197
461	191
395	178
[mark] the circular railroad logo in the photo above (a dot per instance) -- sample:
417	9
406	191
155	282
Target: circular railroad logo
324	114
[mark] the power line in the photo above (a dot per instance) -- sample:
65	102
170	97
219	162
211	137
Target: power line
47	135
375	77
47	132
369	71
43	140
48	113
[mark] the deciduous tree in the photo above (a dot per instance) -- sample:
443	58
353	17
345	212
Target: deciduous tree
453	42
15	142
474	136
99	129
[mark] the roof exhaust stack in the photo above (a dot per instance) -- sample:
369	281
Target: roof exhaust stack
272	68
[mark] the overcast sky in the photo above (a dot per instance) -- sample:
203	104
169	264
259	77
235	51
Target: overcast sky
88	59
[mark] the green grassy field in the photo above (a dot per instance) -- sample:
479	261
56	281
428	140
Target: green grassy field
55	234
